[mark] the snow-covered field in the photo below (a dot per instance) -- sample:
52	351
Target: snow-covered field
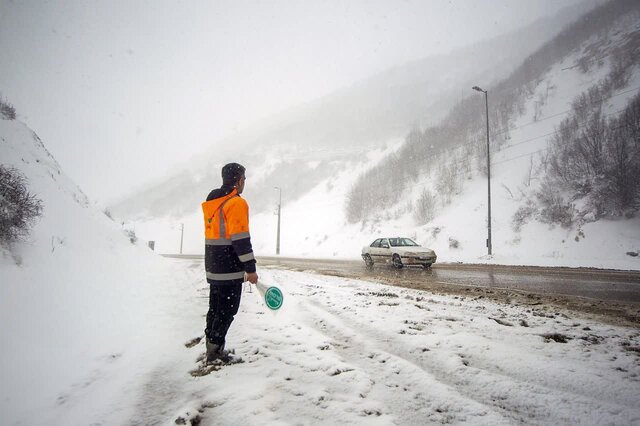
345	351
339	351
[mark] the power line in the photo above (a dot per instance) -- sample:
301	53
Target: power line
555	131
546	148
566	111
494	135
444	149
590	60
430	180
464	161
520	156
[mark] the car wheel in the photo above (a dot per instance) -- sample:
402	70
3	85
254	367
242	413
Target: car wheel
427	265
368	261
397	263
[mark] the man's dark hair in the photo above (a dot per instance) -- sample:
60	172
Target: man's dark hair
231	173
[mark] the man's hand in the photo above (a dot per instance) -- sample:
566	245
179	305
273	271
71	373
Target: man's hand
252	277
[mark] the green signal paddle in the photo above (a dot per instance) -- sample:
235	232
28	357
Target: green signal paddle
271	295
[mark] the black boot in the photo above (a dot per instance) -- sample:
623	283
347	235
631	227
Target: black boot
216	352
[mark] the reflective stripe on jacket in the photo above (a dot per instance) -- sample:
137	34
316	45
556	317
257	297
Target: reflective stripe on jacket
228	251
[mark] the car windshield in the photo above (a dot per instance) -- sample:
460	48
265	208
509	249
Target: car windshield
402	242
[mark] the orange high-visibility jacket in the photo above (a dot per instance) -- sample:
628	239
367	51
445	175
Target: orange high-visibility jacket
228	251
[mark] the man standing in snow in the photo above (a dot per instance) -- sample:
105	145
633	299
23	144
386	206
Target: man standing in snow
228	256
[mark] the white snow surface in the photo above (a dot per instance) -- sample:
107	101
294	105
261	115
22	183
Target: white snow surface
339	351
94	331
69	296
94	327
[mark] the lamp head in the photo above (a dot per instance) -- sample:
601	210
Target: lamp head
476	88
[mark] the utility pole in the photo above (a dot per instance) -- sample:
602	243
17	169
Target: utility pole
486	103
279	209
181	236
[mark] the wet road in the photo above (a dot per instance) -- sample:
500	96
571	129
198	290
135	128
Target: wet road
600	285
619	286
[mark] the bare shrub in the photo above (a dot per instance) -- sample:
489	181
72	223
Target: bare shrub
435	231
619	189
131	234
555	210
19	208
453	243
523	215
355	206
7	111
376	190
584	63
620	71
448	182
425	207
597	159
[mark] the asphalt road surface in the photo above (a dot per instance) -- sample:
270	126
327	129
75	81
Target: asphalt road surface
613	294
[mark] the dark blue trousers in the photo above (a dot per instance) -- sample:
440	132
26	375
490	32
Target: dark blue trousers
224	301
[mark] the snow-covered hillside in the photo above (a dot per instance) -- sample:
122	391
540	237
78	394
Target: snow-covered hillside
336	128
314	225
73	299
458	231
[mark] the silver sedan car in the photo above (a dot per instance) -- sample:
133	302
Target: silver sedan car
399	252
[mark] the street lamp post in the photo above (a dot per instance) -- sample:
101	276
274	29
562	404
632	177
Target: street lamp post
486	103
279	209
181	236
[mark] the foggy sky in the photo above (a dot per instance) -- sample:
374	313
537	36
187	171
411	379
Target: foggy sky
122	91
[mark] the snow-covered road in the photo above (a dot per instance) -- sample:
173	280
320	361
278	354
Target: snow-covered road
340	351
347	351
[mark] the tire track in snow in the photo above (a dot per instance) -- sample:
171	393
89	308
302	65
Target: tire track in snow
458	335
417	395
518	397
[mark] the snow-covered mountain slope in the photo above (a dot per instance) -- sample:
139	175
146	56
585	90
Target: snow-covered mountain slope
459	228
335	129
314	224
70	297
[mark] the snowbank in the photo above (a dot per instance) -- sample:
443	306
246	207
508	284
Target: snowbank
74	298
